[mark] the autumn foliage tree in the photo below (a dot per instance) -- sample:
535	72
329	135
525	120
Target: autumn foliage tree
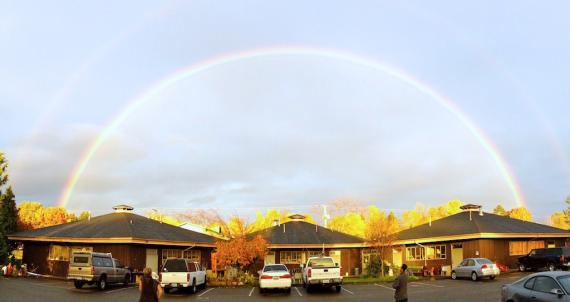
520	213
33	215
380	233
240	251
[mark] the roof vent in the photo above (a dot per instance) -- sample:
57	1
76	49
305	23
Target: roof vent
122	208
472	207
297	217
276	222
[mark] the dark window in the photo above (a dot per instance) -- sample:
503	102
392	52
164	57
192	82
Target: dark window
532	253
471	262
192	266
530	283
81	259
321	262
540	252
484	261
118	264
97	261
107	262
545	284
464	262
272	268
175	265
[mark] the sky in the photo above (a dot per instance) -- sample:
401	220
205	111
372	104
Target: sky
291	104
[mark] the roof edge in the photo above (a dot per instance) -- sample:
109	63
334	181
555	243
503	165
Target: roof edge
483	236
116	240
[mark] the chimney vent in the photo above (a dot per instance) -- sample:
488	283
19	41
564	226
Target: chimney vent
123	208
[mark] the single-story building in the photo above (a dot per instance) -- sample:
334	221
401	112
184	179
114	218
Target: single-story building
292	242
444	243
135	240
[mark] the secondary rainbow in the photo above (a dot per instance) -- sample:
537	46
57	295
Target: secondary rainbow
252	54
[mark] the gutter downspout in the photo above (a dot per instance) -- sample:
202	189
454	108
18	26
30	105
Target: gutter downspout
425	256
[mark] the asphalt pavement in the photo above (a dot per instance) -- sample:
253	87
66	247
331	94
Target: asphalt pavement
32	290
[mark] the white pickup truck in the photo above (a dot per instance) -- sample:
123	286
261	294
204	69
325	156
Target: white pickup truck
182	274
321	271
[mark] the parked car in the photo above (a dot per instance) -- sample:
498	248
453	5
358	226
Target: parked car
475	268
97	268
274	276
321	271
549	258
182	274
543	287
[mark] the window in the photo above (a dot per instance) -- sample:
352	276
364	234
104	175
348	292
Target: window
191	266
290	257
464	262
436	252
530	283
59	252
430	252
118	263
108	262
314	253
415	253
192	255
471	262
565	281
517	248
275	268
321	262
544	284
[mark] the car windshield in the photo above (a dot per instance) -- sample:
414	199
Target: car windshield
565	281
484	261
273	268
175	265
321	262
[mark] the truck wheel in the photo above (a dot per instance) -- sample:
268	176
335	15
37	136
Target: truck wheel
522	267
193	288
126	280
289	290
167	290
102	284
551	267
338	288
78	284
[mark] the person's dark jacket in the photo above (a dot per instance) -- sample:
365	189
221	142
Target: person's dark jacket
149	290
401	287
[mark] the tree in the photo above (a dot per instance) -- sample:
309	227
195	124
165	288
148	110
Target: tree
520	213
499	210
33	215
85	215
567	211
8	211
350	223
240	251
559	220
381	232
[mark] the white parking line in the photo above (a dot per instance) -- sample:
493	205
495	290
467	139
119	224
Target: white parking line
384	286
208	290
297	289
427	284
251	292
346	290
118	290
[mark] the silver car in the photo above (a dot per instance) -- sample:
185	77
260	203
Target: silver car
540	287
475	268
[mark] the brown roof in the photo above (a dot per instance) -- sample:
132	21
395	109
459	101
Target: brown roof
117	227
303	233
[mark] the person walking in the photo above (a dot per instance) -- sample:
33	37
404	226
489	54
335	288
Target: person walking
150	290
401	285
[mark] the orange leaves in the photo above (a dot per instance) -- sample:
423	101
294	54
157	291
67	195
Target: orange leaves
240	251
33	215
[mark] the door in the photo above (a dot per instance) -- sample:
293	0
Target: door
456	255
460	268
152	259
397	257
541	289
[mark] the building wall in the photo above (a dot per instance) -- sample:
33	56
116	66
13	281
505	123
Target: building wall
429	262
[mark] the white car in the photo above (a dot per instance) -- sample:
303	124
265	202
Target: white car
274	276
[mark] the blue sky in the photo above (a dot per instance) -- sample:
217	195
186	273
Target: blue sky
286	131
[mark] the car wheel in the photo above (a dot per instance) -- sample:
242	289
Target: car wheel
78	284
522	267
167	290
453	275
474	276
261	290
102	284
492	277
126	280
338	288
551	267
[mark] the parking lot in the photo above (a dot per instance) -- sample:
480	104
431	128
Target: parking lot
429	290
